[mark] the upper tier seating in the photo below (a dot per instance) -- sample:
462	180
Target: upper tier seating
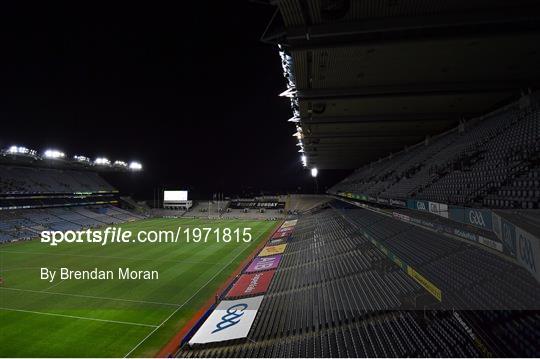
492	161
30	180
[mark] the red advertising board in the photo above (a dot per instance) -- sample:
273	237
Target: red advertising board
251	284
283	232
285	229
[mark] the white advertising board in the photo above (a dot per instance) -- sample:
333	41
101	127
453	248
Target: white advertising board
232	319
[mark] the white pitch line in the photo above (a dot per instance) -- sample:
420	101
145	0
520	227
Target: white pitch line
91	297
77	317
187	301
52	286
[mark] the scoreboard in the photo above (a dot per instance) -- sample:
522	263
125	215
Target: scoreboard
175	196
175	199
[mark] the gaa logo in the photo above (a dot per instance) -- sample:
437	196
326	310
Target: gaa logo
475	217
231	318
420	205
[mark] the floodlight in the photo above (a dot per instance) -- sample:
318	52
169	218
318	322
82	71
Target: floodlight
120	164
304	160
290	92
54	154
135	166
80	158
314	172
102	161
18	150
298	135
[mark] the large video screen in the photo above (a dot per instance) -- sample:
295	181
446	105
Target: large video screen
175	196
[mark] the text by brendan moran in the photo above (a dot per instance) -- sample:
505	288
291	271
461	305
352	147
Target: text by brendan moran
96	274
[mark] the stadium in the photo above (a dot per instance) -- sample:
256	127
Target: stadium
285	178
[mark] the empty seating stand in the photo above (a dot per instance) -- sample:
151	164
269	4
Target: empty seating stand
336	295
28	223
472	277
30	180
491	161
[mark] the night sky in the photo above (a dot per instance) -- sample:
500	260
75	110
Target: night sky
189	91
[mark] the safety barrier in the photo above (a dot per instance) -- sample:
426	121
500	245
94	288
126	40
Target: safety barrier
516	243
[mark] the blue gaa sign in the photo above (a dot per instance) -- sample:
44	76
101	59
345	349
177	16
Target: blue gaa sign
474	216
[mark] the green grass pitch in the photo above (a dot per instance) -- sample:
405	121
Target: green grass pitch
114	318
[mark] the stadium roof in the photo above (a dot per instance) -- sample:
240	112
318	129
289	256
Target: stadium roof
370	77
